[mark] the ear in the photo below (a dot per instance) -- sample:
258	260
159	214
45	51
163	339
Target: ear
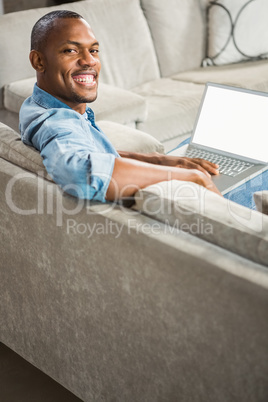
37	61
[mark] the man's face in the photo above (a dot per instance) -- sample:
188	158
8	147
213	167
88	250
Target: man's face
71	64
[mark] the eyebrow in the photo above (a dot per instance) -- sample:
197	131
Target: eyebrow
71	42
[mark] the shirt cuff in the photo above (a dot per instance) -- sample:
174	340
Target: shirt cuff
101	170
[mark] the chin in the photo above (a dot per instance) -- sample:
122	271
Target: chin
84	99
91	99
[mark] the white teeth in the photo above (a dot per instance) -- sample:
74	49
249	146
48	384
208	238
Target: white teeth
88	79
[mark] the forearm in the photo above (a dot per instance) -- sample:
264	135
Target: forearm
153	157
131	175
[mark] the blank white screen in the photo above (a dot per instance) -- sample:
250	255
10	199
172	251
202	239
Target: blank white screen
234	121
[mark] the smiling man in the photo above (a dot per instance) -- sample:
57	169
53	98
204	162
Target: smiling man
57	121
65	55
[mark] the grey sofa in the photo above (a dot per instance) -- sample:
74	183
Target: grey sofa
163	301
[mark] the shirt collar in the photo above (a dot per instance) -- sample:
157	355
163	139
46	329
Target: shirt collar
46	100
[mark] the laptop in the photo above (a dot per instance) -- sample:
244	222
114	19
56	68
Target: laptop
231	130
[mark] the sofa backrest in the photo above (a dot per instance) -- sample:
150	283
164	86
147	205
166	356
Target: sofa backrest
127	51
178	29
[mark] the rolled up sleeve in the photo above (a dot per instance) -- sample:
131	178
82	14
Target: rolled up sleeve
78	172
102	166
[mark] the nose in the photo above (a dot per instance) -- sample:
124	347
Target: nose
87	59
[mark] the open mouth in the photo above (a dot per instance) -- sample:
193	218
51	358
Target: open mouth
85	79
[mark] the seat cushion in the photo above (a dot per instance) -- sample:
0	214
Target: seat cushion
251	75
191	208
172	108
113	103
119	105
123	138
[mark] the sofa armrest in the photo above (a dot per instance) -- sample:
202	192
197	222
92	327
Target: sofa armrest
191	208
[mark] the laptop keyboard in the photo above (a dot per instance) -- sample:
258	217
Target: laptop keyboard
228	166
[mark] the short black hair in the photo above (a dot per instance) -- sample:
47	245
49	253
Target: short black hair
45	25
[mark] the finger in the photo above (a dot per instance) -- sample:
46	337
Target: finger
212	170
211	167
197	163
192	165
207	183
200	160
201	169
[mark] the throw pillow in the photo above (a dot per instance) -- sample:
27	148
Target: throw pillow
237	31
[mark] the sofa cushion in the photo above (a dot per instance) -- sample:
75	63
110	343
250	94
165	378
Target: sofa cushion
192	208
129	139
172	108
237	30
16	92
251	75
126	47
178	31
115	104
119	105
261	201
123	138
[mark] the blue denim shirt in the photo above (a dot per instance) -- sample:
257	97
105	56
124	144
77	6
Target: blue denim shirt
76	153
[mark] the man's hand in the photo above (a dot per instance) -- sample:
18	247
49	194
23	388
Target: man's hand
175	161
198	177
194	163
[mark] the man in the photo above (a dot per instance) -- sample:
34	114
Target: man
57	121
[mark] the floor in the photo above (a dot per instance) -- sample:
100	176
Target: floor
22	382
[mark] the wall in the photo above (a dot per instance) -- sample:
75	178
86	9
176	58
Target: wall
17	5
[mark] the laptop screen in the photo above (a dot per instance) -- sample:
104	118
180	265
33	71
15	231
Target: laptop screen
235	121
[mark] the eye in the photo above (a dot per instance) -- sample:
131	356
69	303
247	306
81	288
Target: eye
69	51
94	51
